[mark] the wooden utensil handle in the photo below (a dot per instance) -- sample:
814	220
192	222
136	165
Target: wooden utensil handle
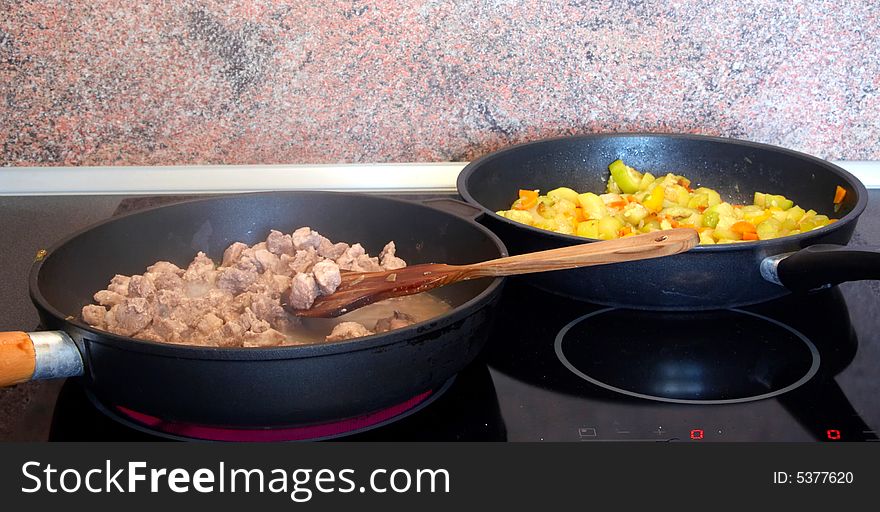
632	248
17	358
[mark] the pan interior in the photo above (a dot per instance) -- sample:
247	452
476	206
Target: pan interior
701	358
735	169
85	263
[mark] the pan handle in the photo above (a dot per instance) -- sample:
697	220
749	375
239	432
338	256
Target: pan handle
26	356
822	265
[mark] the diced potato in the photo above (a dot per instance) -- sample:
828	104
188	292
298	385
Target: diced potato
609	227
520	216
698	201
610	198
681	195
592	205
564	206
712	196
633	213
545	207
563	193
588	228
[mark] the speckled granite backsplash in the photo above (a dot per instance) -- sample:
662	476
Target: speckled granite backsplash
266	81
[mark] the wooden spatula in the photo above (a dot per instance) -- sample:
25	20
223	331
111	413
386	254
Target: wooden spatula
359	289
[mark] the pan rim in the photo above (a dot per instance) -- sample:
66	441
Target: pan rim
92	335
849	178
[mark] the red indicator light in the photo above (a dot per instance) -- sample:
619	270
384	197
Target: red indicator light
697	433
832	434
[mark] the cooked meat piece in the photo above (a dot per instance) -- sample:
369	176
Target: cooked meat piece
331	251
166	301
347	331
170	329
303	291
218	299
200	271
249	321
278	284
165	267
388	259
165	280
266	261
248	260
267	338
304	237
396	321
190	311
279	243
151	335
260	246
304	260
266	308
285	268
141	286
235	280
287	323
119	284
327	276
209	323
365	263
348	260
232	254
230	335
108	298
129	317
94	315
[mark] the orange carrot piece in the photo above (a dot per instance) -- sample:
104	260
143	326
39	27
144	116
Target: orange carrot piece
839	194
743	227
748	235
527	199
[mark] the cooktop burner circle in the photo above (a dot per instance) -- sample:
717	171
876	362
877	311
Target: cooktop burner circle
714	357
314	432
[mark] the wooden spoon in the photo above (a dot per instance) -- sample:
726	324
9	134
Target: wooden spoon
359	289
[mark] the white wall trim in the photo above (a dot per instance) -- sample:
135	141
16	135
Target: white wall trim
195	179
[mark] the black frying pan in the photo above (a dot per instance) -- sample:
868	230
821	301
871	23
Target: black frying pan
706	277
262	387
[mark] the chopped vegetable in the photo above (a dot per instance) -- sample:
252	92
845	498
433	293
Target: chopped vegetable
839	194
527	199
634	202
627	178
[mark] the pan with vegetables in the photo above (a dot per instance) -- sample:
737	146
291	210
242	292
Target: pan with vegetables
771	220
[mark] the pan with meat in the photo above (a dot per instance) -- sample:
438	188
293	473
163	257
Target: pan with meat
254	379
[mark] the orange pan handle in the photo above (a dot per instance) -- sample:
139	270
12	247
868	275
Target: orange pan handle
26	356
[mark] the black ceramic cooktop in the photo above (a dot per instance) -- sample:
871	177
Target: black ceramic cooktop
801	368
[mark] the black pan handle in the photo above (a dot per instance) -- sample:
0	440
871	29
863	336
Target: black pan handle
823	265
455	207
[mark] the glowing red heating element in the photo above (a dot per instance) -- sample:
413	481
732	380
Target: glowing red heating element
319	431
832	434
697	433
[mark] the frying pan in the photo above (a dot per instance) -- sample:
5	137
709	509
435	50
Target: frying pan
265	386
706	277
